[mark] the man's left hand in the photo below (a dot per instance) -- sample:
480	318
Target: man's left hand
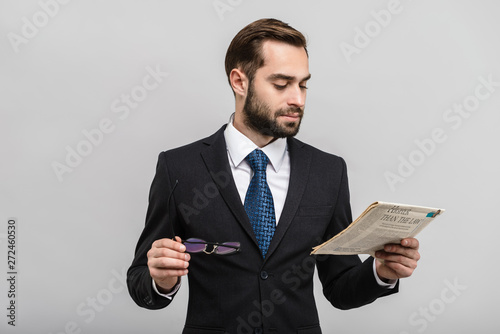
397	260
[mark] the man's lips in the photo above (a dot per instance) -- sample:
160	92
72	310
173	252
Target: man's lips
291	117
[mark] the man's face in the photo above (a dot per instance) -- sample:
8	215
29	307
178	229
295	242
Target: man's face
275	100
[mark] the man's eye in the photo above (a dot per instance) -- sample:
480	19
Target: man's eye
279	87
303	87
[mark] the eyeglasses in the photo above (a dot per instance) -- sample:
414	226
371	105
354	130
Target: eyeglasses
194	245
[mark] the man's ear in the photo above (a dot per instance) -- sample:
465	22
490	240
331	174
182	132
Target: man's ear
239	82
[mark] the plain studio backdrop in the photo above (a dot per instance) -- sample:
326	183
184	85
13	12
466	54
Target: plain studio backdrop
408	92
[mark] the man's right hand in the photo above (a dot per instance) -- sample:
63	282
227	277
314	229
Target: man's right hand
167	261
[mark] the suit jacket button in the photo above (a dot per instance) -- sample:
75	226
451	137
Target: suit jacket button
258	331
264	274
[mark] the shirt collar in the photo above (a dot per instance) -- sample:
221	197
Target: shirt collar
239	146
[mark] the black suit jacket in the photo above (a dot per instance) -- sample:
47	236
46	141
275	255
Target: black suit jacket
244	293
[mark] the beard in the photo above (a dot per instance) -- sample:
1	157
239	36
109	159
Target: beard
259	117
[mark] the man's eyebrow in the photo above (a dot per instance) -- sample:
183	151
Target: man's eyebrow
278	76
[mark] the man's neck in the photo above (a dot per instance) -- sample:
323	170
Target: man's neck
256	137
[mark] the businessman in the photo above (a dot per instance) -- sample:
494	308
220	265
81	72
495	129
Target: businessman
236	215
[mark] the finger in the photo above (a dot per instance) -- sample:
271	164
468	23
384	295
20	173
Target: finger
167	263
399	270
393	252
405	251
169	253
410	243
169	243
396	258
162	274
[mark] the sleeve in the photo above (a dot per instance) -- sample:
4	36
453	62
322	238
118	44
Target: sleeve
347	282
159	224
169	295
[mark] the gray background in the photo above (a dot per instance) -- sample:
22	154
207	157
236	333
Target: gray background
77	233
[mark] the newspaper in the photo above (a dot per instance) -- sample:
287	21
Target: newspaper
381	223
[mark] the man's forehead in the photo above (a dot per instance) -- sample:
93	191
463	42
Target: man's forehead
282	59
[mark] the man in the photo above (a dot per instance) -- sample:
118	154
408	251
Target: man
215	190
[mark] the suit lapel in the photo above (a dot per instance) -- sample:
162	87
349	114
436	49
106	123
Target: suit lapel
300	162
217	163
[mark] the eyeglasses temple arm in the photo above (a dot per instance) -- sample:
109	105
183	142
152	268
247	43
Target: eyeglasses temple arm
170	223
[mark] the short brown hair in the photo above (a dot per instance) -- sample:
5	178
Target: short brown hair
245	50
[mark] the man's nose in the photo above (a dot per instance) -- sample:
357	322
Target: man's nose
297	97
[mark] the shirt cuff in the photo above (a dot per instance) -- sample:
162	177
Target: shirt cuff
390	285
169	295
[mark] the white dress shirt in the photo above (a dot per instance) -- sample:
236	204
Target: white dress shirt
278	175
278	169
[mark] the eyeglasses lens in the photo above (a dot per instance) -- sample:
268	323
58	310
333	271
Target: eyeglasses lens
194	245
227	250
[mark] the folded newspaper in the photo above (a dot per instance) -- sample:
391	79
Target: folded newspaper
381	223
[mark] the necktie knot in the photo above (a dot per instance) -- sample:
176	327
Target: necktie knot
258	161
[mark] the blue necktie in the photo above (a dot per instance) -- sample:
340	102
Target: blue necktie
259	203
